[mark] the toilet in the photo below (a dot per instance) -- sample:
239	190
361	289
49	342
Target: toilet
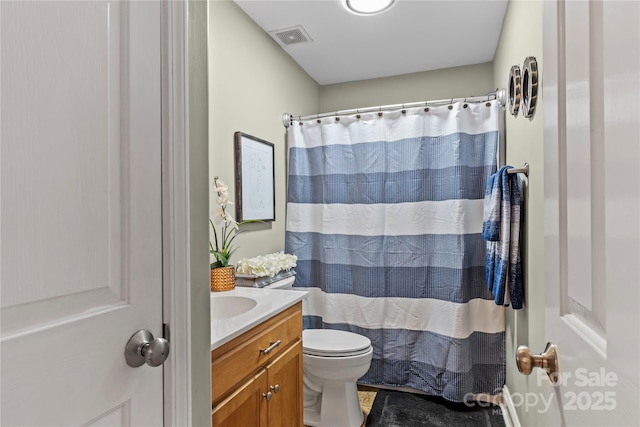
332	361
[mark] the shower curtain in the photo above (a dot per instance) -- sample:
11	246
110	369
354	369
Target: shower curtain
384	212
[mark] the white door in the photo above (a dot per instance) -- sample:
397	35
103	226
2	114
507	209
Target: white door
81	243
591	81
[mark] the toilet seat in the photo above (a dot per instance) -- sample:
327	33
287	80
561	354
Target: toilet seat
333	343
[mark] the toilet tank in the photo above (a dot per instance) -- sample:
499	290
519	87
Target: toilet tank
286	283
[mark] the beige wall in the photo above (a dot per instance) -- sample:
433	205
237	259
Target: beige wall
525	144
252	82
455	82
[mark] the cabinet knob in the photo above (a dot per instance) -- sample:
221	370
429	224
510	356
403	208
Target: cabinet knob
267	395
275	388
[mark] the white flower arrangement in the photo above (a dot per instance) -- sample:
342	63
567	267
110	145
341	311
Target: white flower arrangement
266	265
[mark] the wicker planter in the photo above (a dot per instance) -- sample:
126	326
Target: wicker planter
223	278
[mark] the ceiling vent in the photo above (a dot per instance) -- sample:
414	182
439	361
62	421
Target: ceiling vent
289	36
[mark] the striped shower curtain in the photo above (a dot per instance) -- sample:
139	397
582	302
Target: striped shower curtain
384	212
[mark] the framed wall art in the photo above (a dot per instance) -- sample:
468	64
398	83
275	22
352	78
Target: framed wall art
255	178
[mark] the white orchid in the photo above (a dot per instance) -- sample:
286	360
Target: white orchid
220	187
222	250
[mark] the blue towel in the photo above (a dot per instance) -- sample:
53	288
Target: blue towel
501	229
492	201
515	283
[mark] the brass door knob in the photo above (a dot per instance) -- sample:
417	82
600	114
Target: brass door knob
548	361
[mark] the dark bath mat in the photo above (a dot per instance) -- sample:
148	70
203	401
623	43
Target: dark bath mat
399	409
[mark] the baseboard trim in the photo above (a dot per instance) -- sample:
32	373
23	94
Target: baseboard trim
509	413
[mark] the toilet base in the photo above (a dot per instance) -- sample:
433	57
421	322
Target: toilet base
340	407
312	416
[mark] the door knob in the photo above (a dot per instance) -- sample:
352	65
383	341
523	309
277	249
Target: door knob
142	347
548	361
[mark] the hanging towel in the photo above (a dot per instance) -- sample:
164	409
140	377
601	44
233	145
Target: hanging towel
501	229
492	200
515	284
496	229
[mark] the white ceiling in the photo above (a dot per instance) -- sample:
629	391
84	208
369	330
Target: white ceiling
412	36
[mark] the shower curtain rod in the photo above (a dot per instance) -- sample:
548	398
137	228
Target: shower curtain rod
499	94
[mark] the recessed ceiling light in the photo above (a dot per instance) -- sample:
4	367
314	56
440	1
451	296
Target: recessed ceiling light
367	7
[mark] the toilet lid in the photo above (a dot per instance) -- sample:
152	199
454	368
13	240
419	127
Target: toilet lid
329	342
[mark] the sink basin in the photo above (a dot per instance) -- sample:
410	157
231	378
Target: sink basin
227	306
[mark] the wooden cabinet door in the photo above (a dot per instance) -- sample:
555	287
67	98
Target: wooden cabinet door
285	375
246	407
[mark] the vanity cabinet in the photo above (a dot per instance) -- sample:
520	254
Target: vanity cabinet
256	378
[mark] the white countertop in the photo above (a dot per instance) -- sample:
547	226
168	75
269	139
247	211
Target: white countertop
269	303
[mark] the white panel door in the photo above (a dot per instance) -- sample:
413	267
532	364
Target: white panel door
591	81
81	243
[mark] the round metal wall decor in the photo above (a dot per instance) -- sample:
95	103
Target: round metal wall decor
515	90
529	86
